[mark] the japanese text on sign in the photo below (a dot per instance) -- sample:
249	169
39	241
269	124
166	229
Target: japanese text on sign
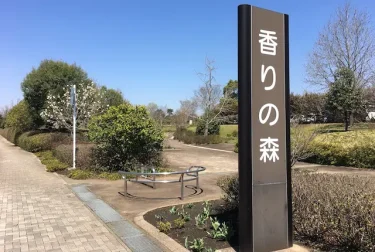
269	147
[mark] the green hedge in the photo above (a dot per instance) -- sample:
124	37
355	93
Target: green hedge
35	141
84	155
353	148
189	137
10	134
51	163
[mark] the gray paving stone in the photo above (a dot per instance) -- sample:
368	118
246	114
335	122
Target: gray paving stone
105	212
86	196
124	229
141	244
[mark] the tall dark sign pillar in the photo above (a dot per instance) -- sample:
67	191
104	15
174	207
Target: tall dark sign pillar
265	209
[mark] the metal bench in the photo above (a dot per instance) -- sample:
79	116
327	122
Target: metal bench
145	177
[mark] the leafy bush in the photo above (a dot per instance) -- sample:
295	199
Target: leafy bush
10	134
2	121
230	187
336	215
110	176
125	136
19	117
51	163
179	223
164	227
81	174
353	148
213	128
188	137
87	174
236	147
35	141
84	155
235	133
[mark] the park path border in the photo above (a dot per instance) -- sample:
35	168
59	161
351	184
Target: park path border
163	238
173	245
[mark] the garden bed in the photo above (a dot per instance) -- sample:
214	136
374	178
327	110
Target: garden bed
191	230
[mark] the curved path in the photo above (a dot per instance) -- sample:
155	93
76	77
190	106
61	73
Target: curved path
39	212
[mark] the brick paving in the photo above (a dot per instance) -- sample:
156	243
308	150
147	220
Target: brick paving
39	212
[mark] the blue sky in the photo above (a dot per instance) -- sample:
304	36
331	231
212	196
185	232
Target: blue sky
150	50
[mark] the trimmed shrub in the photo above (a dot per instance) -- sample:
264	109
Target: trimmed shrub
81	174
235	133
188	137
19	117
353	148
110	176
51	163
236	147
213	128
86	174
10	134
35	141
336	215
84	155
230	187
126	136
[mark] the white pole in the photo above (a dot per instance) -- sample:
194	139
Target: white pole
74	127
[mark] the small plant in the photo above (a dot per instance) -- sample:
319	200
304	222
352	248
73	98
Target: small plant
190	205
197	245
184	215
179	223
206	209
173	210
235	133
164	227
159	217
220	231
80	174
200	220
215	223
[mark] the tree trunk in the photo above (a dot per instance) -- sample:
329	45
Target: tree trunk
351	119
206	129
346	121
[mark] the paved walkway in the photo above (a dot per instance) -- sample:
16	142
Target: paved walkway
38	212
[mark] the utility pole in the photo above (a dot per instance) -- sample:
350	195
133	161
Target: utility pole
73	102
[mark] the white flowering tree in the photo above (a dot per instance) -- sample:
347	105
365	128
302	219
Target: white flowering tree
59	111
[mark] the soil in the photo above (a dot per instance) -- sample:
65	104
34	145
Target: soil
217	210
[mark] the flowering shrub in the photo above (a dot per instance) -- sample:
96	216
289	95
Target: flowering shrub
125	136
59	111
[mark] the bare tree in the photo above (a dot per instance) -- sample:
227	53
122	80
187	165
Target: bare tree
347	41
187	110
301	138
208	96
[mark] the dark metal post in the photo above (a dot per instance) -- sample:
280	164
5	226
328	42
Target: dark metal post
288	151
182	186
125	186
244	128
197	186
